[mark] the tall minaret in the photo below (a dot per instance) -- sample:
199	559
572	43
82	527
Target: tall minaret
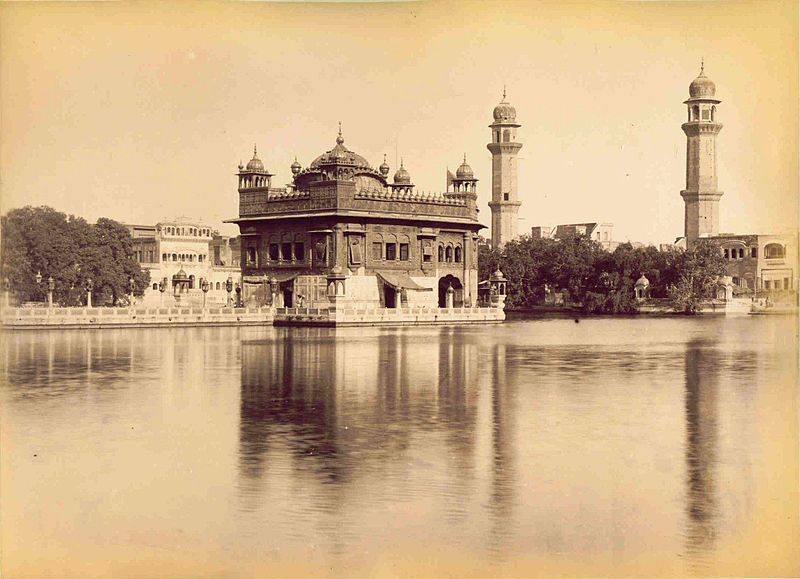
701	217
504	147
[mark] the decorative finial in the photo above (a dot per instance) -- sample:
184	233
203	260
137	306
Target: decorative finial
255	151
340	139
401	162
504	91
702	65
465	158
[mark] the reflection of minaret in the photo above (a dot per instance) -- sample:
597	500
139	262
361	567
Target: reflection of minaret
501	499
701	371
456	407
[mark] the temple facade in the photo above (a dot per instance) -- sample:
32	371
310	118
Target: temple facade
344	232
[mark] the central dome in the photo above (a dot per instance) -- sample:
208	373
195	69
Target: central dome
340	155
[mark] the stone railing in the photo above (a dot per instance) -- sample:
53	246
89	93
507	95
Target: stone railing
83	317
347	316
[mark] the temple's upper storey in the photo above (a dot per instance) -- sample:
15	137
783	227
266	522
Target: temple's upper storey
342	180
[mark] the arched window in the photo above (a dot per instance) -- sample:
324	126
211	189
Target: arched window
741	253
174	257
506	136
441	254
448	254
774	251
155	286
713	111
725	253
458	254
695	113
251	256
217	285
164	257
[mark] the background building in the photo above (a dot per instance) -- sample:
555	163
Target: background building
170	247
603	233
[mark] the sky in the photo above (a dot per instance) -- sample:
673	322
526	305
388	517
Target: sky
141	112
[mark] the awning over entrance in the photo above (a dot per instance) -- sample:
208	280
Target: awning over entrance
281	277
400	280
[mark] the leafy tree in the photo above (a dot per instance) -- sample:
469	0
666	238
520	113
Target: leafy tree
70	250
699	269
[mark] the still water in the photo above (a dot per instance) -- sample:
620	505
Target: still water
610	446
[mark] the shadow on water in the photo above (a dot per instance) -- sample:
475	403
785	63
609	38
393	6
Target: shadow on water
702	366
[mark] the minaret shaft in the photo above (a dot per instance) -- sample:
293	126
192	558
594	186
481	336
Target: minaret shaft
701	196
504	147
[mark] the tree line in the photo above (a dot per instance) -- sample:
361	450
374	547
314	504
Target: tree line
71	251
601	281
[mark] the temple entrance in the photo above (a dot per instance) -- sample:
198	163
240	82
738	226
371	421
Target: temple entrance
458	291
389	296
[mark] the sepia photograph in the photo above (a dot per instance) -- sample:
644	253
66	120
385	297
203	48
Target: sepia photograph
399	289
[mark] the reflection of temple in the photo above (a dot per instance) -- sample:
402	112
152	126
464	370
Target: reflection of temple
701	370
346	410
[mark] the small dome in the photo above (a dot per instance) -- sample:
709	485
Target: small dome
464	171
296	167
181	274
402	177
384	168
504	112
642	281
255	165
702	86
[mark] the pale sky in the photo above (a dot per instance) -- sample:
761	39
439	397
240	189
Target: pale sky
141	112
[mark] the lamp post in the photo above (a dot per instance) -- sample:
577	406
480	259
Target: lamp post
132	287
162	287
229	289
89	290
204	285
273	291
7	287
238	295
51	285
38	279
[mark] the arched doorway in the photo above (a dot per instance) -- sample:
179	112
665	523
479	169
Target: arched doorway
458	295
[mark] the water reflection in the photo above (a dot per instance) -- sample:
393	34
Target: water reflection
702	371
341	415
541	441
503	471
